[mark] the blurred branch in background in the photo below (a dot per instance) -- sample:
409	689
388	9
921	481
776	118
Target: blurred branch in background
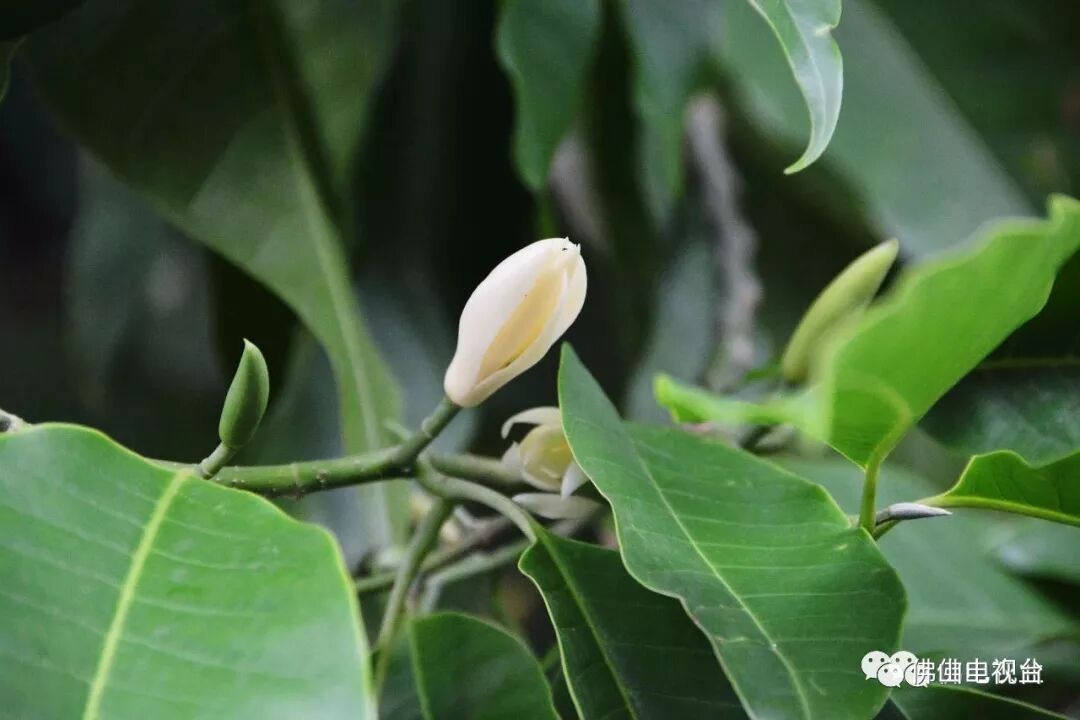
735	242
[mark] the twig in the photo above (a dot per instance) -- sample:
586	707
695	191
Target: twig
305	477
488	531
427	533
735	243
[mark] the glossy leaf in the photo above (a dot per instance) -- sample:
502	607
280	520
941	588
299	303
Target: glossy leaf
18	17
610	629
804	29
754	552
545	46
1005	481
960	185
945	702
960	603
939	321
1024	396
135	591
239	121
457	667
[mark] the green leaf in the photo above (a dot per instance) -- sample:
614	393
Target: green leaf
18	17
1024	396
938	323
896	125
610	629
940	320
455	666
804	28
240	121
960	603
943	702
788	593
545	47
135	591
1005	481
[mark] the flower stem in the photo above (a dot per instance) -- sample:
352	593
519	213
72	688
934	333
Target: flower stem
212	463
452	488
869	495
486	471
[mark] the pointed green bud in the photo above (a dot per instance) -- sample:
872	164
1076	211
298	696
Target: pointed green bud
843	299
246	400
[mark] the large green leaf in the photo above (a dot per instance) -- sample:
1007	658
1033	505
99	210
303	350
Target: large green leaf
940	320
896	126
1024	396
943	702
789	594
545	47
1005	481
452	666
960	603
610	628
239	121
938	323
134	591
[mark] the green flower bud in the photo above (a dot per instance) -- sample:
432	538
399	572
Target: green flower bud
844	298
246	400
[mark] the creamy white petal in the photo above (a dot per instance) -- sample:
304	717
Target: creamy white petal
554	507
532	355
491	304
578	285
572	479
533	416
511	459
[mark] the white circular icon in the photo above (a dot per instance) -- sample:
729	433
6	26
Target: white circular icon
912	678
872	662
890	674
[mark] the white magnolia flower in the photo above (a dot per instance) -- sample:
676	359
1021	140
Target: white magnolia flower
544	460
543	456
514	317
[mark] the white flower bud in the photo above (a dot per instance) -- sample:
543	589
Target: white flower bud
514	317
543	456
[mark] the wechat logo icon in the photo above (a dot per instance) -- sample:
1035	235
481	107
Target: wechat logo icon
892	670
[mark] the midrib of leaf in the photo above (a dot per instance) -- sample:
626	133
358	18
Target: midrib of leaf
580	601
127	596
311	173
773	646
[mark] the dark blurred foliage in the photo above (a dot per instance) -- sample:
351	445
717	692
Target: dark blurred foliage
140	343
